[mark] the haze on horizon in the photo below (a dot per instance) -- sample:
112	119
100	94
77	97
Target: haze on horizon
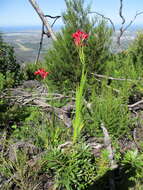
15	13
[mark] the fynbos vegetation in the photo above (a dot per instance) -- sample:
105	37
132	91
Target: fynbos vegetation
74	121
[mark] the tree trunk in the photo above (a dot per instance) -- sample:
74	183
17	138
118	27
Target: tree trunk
43	18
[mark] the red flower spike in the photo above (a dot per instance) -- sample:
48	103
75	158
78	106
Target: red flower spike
79	36
42	73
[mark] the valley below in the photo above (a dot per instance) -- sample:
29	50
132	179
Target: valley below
26	43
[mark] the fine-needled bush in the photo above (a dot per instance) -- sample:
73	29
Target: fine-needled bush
62	59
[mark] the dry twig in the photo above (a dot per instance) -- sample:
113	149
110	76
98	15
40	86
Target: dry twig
104	17
111	78
136	106
43	19
113	165
48	35
124	28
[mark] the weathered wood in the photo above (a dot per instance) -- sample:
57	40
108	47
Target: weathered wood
113	165
43	19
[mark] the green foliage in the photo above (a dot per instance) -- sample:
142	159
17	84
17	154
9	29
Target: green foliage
11	114
63	59
110	110
136	50
79	103
2	81
8	65
74	168
7	59
44	130
19	173
10	79
30	119
133	161
29	69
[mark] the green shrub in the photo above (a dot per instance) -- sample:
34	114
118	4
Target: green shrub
11	114
45	132
7	59
2	81
29	69
112	111
8	63
73	168
133	162
136	50
62	61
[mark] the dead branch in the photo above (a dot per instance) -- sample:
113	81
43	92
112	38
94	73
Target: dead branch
60	113
42	35
53	17
40	46
24	98
114	89
124	28
121	12
136	106
122	24
132	21
111	78
65	145
104	17
135	141
108	145
43	19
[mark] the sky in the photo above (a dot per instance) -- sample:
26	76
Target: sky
21	13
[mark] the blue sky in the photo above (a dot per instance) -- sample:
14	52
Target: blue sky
21	13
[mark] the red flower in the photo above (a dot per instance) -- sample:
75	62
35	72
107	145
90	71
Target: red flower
79	36
42	73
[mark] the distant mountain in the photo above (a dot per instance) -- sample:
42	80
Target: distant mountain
7	29
133	27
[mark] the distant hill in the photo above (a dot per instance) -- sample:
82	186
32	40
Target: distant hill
25	41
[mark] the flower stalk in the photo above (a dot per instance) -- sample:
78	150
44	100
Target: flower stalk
78	122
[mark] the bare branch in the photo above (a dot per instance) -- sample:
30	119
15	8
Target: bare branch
40	47
132	21
122	24
43	18
42	35
108	145
65	145
114	89
104	17
56	17
136	106
124	28
111	78
53	17
121	12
